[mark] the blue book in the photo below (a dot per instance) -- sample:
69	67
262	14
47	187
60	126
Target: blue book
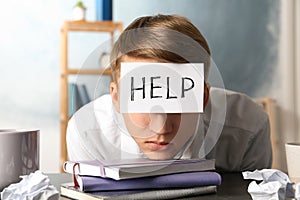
103	10
180	180
83	94
107	9
99	10
74	101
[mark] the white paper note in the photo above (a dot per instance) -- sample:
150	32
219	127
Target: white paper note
161	88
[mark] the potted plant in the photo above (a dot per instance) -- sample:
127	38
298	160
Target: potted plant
79	11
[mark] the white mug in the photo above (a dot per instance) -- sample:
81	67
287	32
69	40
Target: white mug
293	161
19	154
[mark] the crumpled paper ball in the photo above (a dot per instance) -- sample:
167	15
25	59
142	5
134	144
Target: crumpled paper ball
34	186
274	185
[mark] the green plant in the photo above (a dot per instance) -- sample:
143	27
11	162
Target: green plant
80	4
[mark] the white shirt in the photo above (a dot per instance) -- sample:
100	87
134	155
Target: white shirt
236	131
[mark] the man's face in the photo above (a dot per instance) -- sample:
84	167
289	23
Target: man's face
159	135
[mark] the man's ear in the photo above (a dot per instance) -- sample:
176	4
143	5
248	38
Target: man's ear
206	95
115	95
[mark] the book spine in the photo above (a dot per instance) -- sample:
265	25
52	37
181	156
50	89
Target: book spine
83	94
73	98
99	10
77	168
107	9
68	190
103	10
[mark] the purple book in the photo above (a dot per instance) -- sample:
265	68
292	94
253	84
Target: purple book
180	180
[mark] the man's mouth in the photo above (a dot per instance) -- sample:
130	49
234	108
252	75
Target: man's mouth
156	146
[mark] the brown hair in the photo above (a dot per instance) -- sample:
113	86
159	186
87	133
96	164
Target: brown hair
167	38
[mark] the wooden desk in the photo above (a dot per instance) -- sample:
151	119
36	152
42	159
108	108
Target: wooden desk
233	187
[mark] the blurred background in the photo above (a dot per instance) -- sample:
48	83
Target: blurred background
255	45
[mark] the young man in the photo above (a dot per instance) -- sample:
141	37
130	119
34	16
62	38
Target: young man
233	129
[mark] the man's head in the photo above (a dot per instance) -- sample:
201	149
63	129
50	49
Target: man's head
166	38
163	39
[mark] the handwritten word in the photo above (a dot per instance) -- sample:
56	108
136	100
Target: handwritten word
153	86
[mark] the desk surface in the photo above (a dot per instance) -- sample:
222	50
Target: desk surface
233	187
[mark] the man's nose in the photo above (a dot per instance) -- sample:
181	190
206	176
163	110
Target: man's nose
159	123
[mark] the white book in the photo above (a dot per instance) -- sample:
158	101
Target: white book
134	168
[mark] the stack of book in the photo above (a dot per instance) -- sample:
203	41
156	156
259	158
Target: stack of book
140	179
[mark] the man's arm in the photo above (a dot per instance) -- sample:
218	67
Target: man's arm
259	151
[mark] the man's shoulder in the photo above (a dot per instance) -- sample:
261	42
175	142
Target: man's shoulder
100	104
241	111
89	114
104	100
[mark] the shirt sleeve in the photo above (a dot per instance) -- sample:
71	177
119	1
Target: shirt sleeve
92	132
75	148
259	151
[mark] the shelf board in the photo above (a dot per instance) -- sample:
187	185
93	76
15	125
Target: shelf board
97	26
89	71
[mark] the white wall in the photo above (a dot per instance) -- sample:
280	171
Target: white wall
29	69
297	66
286	90
243	36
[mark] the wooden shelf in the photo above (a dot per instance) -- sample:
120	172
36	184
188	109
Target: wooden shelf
97	26
89	71
109	27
